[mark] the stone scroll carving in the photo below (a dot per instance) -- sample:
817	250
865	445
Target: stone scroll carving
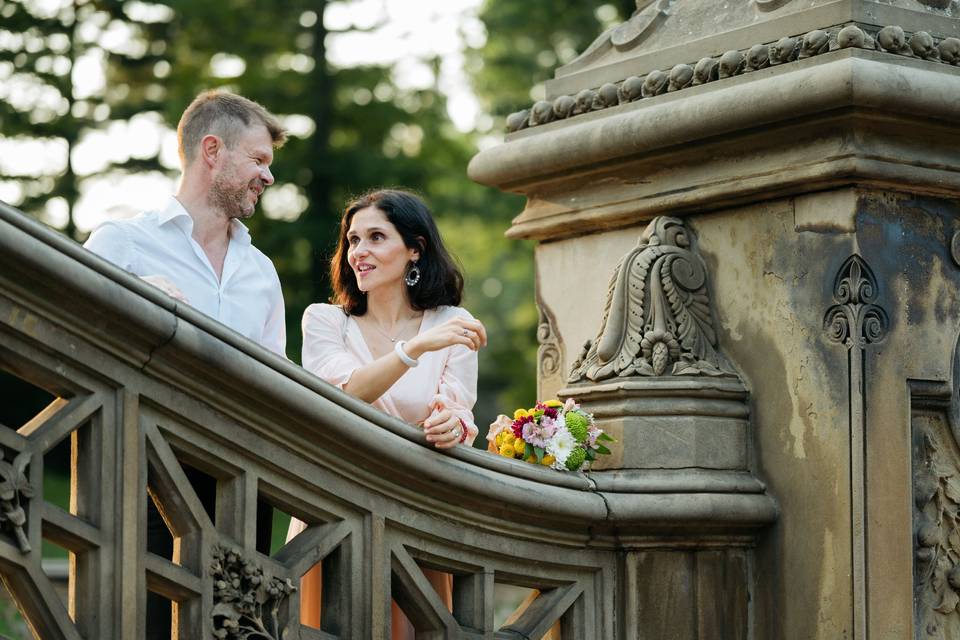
246	603
855	320
550	349
657	319
15	491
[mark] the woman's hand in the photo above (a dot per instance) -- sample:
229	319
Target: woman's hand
465	331
444	429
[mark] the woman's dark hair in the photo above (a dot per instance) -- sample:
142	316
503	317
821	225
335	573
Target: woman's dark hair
441	282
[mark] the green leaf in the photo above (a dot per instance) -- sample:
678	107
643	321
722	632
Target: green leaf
603	450
527	450
540	452
604	436
591	455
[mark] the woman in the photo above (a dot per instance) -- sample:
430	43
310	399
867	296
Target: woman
395	338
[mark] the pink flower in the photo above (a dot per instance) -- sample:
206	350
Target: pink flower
531	434
570	405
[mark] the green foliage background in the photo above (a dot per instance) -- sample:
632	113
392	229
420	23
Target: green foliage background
367	131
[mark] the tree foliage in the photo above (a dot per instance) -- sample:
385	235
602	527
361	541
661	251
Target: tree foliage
353	128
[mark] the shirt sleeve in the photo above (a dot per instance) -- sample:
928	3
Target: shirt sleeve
325	352
275	330
111	242
457	390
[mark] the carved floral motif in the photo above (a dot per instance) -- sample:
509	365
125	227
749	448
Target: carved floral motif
246	603
15	491
657	317
936	494
855	320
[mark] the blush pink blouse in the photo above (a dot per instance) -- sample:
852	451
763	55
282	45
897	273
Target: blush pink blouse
333	348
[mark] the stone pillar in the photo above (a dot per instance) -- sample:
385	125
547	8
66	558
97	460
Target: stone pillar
810	150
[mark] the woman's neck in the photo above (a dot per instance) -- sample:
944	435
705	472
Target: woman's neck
389	308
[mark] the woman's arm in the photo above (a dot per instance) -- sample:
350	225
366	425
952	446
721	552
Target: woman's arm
370	381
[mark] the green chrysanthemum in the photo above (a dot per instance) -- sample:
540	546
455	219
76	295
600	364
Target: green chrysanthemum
577	426
576	458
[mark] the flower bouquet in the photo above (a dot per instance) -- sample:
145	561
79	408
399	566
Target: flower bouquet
553	433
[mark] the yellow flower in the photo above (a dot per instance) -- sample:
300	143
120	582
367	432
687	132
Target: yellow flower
498	440
556	404
520	446
520	413
507	437
548	460
506	450
530	459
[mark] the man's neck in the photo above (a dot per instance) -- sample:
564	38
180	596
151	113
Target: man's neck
210	226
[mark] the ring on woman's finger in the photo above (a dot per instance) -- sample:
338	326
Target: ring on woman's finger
456	432
466	332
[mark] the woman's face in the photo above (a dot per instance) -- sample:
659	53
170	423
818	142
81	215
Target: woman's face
376	252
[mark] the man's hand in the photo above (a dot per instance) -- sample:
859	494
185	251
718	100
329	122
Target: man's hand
166	286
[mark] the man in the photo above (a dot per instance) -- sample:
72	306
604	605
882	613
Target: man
196	249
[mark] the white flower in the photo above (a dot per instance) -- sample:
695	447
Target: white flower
560	447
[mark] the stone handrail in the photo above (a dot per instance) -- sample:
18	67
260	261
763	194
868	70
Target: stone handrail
145	385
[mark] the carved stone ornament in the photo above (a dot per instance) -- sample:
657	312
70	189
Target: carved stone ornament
855	320
246	603
627	35
771	5
15	491
549	354
657	318
890	39
936	494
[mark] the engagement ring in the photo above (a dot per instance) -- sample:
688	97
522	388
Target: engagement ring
456	432
465	332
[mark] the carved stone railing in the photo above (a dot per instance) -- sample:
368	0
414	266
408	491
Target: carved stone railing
148	389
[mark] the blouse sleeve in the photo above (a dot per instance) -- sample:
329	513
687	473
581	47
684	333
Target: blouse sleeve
325	352
457	390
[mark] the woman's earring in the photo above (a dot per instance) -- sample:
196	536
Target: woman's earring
413	275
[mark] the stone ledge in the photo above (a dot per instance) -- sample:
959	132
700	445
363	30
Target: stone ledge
858	120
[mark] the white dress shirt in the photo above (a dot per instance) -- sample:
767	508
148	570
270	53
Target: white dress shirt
247	298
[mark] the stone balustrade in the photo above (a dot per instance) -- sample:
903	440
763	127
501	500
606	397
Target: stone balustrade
150	392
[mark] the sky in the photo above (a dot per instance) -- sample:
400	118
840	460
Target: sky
404	33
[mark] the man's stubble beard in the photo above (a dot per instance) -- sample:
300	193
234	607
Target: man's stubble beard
229	200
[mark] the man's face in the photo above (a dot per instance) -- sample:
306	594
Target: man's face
242	174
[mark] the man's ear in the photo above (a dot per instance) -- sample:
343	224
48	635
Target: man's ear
210	147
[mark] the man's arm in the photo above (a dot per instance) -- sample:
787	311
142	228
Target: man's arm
111	242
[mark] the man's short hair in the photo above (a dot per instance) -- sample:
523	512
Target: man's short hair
226	115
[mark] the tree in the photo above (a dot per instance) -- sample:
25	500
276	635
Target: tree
49	61
526	41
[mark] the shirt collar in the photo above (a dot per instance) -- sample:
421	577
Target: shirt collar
174	211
